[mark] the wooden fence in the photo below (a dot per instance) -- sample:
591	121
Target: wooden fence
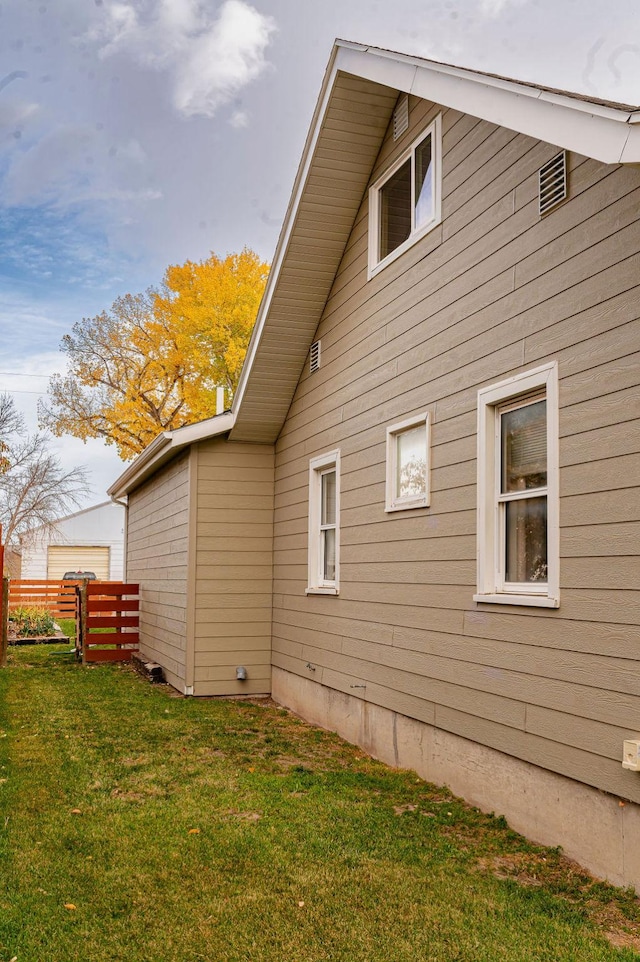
4	608
108	623
58	597
105	612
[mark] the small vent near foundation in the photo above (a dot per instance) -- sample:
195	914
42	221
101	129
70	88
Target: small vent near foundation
553	183
401	117
314	357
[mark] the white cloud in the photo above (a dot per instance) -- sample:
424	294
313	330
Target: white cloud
493	8
239	119
16	113
121	24
224	59
15	118
74	165
208	58
50	166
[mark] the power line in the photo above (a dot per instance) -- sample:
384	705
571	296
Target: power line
38	393
17	374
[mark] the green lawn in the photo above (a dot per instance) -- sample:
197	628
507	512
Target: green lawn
143	827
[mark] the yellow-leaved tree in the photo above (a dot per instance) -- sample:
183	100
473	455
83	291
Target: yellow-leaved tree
154	361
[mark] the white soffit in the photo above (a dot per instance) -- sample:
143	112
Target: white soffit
341	148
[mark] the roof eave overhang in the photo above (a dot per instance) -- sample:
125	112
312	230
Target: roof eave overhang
163	449
258	423
604	132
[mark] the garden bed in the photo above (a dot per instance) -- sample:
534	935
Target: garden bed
33	625
54	639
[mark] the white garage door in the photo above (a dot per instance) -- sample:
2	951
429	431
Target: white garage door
63	557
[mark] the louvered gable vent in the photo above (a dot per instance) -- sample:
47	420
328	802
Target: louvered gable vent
401	117
314	357
553	183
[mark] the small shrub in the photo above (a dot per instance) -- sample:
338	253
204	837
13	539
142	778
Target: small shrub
31	621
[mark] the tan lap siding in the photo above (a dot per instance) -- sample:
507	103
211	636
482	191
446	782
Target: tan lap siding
491	291
157	540
234	564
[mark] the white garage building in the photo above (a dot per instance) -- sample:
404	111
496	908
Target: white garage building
89	540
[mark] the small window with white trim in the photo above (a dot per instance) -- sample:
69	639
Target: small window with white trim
405	202
324	521
408	464
518	536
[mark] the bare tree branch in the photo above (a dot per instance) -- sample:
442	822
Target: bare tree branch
35	490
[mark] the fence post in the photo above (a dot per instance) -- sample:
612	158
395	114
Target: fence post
4	626
4	609
81	625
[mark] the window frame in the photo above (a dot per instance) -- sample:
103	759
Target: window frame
377	264
317	584
393	502
526	387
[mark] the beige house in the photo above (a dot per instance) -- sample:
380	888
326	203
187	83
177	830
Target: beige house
419	525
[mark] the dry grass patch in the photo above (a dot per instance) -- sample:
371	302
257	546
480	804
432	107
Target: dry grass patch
618	919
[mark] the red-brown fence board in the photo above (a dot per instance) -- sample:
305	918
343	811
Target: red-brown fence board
115	621
111	638
116	588
103	606
125	604
108	654
58	597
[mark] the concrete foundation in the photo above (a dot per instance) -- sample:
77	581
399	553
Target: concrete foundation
599	831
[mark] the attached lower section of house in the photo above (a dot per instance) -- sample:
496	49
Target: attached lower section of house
419	525
200	543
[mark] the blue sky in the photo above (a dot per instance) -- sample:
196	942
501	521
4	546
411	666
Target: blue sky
135	134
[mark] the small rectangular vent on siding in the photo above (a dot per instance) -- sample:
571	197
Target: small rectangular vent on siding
401	117
553	183
314	357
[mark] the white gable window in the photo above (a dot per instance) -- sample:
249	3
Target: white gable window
324	522
518	537
404	204
408	464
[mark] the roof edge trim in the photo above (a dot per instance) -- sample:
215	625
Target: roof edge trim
164	447
606	133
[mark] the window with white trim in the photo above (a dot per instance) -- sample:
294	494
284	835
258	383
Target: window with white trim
518	514
408	464
405	202
324	524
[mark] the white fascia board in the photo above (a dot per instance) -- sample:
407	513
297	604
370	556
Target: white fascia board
601	138
166	446
123	483
559	121
394	72
202	430
595	130
631	152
